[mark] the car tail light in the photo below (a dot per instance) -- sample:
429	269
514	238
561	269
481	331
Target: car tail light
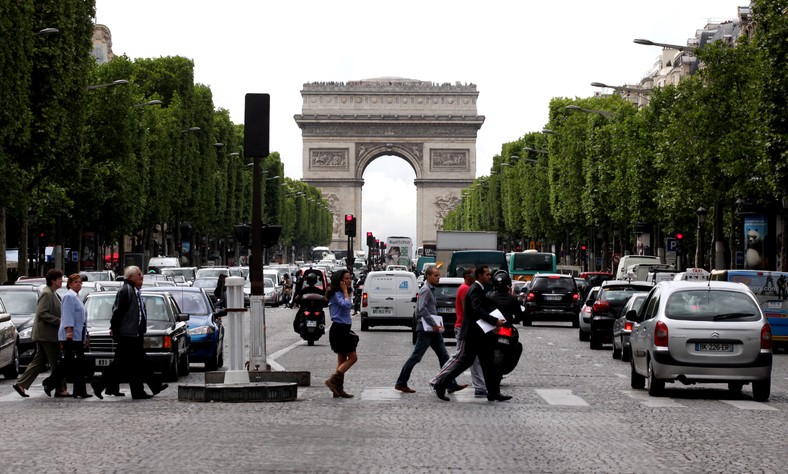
628	326
661	334
766	337
307	313
601	307
575	297
167	342
364	300
505	332
531	296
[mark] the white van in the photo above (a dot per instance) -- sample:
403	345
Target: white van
157	263
388	299
629	260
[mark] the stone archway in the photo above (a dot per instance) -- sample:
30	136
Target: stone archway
433	127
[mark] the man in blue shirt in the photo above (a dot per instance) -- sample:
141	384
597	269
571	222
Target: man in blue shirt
433	337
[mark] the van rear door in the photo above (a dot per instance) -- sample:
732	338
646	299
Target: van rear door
382	295
406	290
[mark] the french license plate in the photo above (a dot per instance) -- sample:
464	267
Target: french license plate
445	310
503	340
552	297
311	324
713	347
381	311
103	362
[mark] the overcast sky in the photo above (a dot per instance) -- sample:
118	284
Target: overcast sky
520	54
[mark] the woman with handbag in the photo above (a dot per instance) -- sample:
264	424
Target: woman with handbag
73	337
343	340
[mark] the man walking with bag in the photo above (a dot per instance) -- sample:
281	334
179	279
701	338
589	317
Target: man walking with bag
426	312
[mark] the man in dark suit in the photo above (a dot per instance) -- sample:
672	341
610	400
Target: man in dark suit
128	326
473	342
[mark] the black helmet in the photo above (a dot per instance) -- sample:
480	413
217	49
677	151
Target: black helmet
311	279
502	280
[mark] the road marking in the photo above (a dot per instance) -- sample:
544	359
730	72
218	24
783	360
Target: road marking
272	358
622	376
748	405
383	394
653	402
560	397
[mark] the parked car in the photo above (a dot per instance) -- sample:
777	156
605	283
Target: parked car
20	301
622	327
701	332
552	297
388	299
606	308
584	317
9	353
445	298
205	325
166	342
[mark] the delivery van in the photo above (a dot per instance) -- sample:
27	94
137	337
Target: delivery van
389	299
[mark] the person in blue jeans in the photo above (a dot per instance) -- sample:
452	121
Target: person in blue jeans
425	309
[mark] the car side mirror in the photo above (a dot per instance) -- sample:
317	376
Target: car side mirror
632	315
183	317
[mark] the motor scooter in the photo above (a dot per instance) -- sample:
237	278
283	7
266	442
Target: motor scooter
358	290
310	319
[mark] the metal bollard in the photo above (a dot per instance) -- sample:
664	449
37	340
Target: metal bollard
235	305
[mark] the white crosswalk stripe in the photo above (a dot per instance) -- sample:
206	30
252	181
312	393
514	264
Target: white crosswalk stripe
653	402
748	405
560	397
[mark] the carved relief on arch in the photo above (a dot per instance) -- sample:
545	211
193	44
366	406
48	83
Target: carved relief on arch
332	204
444	204
449	160
413	153
328	158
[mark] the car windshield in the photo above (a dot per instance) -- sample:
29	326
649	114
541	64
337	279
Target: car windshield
191	302
555	285
99	311
209	283
446	291
19	302
616	296
712	305
211	272
269	283
95	276
186	273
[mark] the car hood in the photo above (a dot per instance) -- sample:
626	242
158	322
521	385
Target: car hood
197	320
22	321
102	327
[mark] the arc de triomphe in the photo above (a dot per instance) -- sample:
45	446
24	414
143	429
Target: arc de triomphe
345	126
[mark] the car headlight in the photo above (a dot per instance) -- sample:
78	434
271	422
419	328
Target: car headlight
153	342
200	330
26	333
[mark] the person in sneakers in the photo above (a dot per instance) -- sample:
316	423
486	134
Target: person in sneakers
426	338
343	341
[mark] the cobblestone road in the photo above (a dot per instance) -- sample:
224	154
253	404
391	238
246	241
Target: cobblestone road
573	411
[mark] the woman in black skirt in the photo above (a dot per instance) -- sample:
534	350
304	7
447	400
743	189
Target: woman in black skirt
343	340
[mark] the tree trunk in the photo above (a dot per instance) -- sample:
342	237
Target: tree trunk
20	262
23	264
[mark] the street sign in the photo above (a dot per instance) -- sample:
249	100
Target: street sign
739	259
74	256
671	244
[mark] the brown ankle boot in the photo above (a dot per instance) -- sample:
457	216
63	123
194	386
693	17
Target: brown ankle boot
332	385
341	386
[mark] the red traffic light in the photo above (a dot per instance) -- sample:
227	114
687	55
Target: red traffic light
348	217
41	234
582	247
679	235
369	234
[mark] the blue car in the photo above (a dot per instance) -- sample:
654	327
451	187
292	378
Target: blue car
205	324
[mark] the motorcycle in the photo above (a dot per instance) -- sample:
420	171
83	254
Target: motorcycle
310	319
358	290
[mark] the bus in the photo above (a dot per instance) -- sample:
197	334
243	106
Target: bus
318	253
524	265
771	291
399	251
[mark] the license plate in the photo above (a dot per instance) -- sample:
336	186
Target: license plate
381	310
103	362
713	347
552	297
445	310
503	340
311	324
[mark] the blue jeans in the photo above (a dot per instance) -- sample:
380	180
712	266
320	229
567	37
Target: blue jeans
425	340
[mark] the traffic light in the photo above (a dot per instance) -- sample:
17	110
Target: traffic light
377	243
370	240
383	246
350	225
679	240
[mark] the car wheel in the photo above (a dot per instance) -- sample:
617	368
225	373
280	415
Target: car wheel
636	380
616	352
626	354
655	385
735	387
582	335
12	371
364	325
761	390
184	369
172	373
595	342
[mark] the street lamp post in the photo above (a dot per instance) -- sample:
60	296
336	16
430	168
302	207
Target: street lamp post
701	212
118	82
677	47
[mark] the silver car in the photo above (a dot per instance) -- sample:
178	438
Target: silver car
584	316
622	328
707	332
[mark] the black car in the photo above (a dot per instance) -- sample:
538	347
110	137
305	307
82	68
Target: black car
20	301
606	308
552	297
445	298
166	342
